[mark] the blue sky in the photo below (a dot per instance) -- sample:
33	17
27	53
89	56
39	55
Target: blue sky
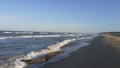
60	15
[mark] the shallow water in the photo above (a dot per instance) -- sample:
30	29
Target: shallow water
15	46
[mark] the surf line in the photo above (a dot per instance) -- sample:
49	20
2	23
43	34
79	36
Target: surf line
42	59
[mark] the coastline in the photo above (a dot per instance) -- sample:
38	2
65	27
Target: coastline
101	53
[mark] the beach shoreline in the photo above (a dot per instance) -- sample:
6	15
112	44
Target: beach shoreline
101	53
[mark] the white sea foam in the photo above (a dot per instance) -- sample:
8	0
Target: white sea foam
51	48
7	32
37	36
67	52
31	36
23	32
56	47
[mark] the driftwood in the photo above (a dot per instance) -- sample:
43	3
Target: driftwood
42	59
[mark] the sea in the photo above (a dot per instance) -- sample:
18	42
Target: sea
24	45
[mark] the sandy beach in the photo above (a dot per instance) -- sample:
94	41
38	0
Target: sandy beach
103	52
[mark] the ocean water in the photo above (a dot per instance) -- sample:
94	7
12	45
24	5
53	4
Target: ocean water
20	45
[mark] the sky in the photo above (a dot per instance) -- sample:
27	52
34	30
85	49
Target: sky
60	15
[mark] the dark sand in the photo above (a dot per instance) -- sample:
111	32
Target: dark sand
104	52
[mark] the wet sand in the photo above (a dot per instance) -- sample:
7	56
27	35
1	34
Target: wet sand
103	52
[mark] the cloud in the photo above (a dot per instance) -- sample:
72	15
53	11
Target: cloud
9	18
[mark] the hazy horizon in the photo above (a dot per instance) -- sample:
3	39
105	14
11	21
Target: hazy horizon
60	15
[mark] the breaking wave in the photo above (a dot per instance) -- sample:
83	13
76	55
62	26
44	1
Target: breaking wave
67	43
37	36
52	48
